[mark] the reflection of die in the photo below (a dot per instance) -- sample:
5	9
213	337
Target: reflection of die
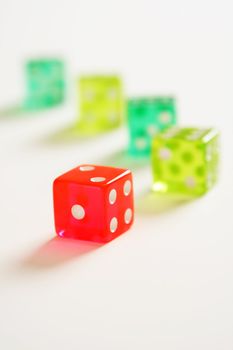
185	160
101	103
45	83
146	117
93	203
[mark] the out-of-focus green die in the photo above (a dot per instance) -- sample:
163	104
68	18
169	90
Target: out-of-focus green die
146	117
45	79
101	103
185	160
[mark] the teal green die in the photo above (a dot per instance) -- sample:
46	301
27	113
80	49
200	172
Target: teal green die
146	117
101	103
185	160
45	79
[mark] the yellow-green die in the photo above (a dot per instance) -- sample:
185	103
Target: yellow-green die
185	160
101	103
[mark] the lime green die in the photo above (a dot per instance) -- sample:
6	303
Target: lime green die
185	160
45	79
146	117
101	103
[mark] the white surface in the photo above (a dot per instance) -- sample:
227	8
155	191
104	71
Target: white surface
167	284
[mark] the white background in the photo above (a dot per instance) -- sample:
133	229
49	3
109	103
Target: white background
167	284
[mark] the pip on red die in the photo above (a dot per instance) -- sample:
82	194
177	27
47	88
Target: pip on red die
93	203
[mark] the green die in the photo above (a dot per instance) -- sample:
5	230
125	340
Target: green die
45	83
146	117
185	160
101	103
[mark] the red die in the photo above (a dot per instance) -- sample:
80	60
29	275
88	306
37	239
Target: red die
93	203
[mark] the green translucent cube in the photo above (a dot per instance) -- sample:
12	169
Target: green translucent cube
101	103
185	160
45	79
146	117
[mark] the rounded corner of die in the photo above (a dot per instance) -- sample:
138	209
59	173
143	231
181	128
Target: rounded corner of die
132	221
128	172
56	181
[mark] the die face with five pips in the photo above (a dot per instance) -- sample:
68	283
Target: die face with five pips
93	203
101	103
45	79
146	117
185	160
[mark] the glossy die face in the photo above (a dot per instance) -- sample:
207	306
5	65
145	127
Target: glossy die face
101	103
93	203
185	160
146	117
45	83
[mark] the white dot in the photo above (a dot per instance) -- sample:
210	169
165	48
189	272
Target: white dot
113	224
89	95
112	94
87	168
128	215
171	133
165	153
78	212
89	117
151	129
190	182
98	179
194	135
113	116
140	143
127	187
112	196
165	117
167	135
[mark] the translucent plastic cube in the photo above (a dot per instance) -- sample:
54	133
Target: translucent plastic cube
146	117
45	79
185	160
101	103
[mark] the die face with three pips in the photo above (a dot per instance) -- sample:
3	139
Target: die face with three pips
146	117
45	79
93	203
101	103
185	160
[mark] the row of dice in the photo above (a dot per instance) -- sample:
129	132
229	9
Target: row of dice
102	104
184	160
96	202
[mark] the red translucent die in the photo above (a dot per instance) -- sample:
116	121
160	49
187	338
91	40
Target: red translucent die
93	203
